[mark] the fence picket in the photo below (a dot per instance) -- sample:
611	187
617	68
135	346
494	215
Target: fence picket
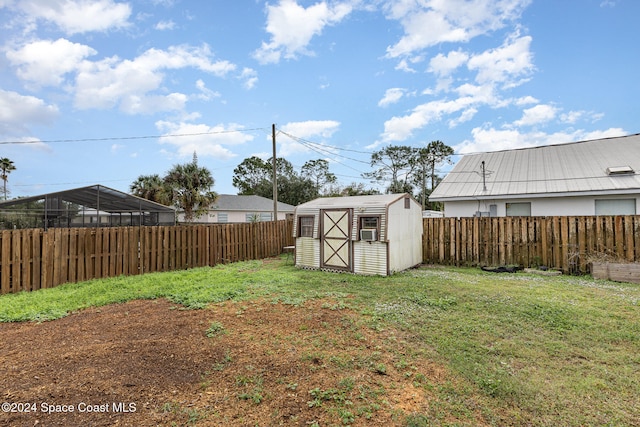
36	259
566	243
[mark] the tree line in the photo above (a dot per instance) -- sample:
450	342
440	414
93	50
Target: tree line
397	169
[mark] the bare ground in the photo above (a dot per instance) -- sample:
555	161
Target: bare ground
148	363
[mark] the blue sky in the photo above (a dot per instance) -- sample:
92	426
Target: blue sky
101	92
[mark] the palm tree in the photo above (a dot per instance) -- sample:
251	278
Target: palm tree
6	166
151	187
191	188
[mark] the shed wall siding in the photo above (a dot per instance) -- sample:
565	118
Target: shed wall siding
380	211
308	252
370	258
405	231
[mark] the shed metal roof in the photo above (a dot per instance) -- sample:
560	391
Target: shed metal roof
97	197
353	201
548	171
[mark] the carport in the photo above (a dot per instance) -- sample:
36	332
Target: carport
92	206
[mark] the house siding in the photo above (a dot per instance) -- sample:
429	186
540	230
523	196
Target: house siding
549	206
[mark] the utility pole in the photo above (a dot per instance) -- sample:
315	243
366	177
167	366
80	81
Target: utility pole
484	177
275	177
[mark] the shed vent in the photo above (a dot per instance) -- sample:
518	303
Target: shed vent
620	170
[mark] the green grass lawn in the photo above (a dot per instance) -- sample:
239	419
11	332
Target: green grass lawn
530	350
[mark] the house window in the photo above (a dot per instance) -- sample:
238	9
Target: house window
519	209
407	203
258	217
223	217
369	227
616	207
305	226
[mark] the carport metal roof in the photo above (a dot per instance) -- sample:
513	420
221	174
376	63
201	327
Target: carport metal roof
98	197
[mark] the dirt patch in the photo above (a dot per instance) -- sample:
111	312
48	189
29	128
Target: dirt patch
148	363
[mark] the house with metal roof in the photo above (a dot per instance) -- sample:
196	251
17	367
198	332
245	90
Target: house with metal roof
373	235
229	208
91	206
595	177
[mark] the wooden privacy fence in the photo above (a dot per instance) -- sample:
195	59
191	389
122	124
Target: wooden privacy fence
35	259
567	243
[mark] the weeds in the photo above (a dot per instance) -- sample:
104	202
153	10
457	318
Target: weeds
216	328
549	350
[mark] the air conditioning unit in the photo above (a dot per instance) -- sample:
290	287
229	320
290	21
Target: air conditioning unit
368	235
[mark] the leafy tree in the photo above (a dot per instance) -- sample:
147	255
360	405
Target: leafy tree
6	167
151	187
190	187
295	190
255	176
250	175
394	165
353	189
428	159
318	172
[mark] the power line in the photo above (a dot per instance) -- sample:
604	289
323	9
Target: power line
325	147
123	138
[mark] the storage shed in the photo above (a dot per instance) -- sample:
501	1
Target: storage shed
376	235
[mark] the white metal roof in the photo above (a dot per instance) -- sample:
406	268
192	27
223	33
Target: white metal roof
352	201
602	166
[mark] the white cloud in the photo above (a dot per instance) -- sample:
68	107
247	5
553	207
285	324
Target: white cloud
149	104
127	83
292	27
508	64
403	65
165	25
46	62
18	111
536	115
206	94
574	116
79	16
401	128
391	96
490	139
205	140
250	77
308	130
526	100
312	128
505	66
428	23
466	115
444	65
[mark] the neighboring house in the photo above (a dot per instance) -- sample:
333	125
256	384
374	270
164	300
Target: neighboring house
598	177
378	234
230	208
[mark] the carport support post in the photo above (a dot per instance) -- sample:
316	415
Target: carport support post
275	182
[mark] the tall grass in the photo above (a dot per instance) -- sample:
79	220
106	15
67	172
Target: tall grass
530	350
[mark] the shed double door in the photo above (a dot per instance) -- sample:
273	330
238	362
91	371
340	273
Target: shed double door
335	240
